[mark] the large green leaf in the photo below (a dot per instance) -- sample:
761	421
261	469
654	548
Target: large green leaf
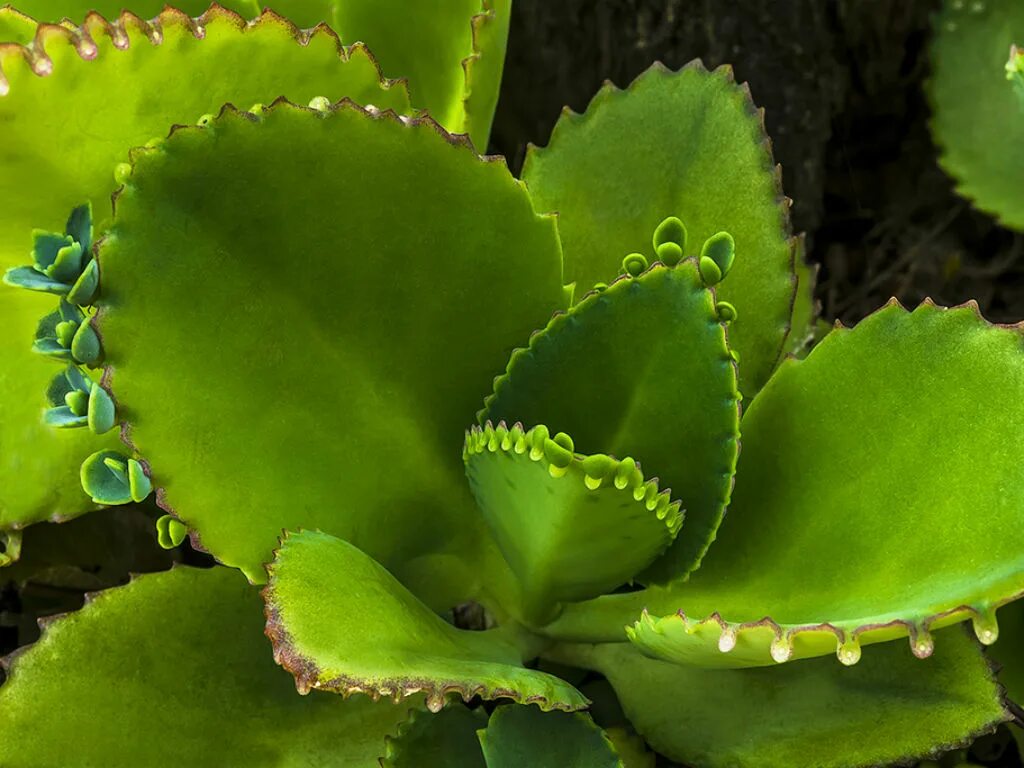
572	527
451	52
643	370
173	669
878	495
890	708
977	115
337	334
704	157
61	136
340	622
525	736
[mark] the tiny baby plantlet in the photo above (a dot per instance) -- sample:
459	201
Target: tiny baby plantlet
373	375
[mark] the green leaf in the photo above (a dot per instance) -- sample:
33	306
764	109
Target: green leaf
641	369
50	163
878	495
1009	661
704	158
372	296
38	464
977	116
340	622
15	26
806	308
446	739
572	527
76	10
890	708
520	736
61	162
452	54
183	671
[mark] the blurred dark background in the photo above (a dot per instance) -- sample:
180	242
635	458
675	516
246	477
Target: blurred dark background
842	83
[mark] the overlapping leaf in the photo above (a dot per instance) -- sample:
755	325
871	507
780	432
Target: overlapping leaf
889	709
173	669
878	495
519	736
640	370
67	118
705	158
370	292
340	622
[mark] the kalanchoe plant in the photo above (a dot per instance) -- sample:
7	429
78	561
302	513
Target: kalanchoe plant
340	321
977	115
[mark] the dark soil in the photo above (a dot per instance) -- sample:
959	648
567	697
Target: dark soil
842	83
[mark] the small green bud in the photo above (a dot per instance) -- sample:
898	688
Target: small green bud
716	258
671	230
635	264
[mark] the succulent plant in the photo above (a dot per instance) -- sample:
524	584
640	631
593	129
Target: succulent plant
373	375
977	114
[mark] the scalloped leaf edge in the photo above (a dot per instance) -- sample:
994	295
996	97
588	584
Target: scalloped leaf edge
83	38
849	638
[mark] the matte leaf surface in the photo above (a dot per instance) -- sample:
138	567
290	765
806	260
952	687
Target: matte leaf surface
878	495
572	527
372	296
452	53
642	370
173	669
888	708
977	115
446	739
340	622
520	736
704	158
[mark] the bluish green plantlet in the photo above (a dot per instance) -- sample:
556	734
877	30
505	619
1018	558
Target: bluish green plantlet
170	531
58	260
111	478
716	257
85	344
56	331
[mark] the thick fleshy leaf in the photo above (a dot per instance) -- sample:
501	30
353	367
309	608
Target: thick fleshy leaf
890	708
1008	655
806	308
452	54
50	163
520	736
977	114
15	26
705	158
641	369
340	622
173	669
572	527
878	495
388	236
446	739
54	11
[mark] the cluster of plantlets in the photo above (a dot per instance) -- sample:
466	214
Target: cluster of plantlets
341	322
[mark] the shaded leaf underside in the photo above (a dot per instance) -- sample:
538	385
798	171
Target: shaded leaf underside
340	622
170	669
706	159
521	736
878	495
891	707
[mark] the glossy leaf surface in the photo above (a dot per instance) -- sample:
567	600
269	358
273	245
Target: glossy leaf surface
568	533
891	707
642	370
520	736
704	158
174	668
977	114
349	302
877	495
340	622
